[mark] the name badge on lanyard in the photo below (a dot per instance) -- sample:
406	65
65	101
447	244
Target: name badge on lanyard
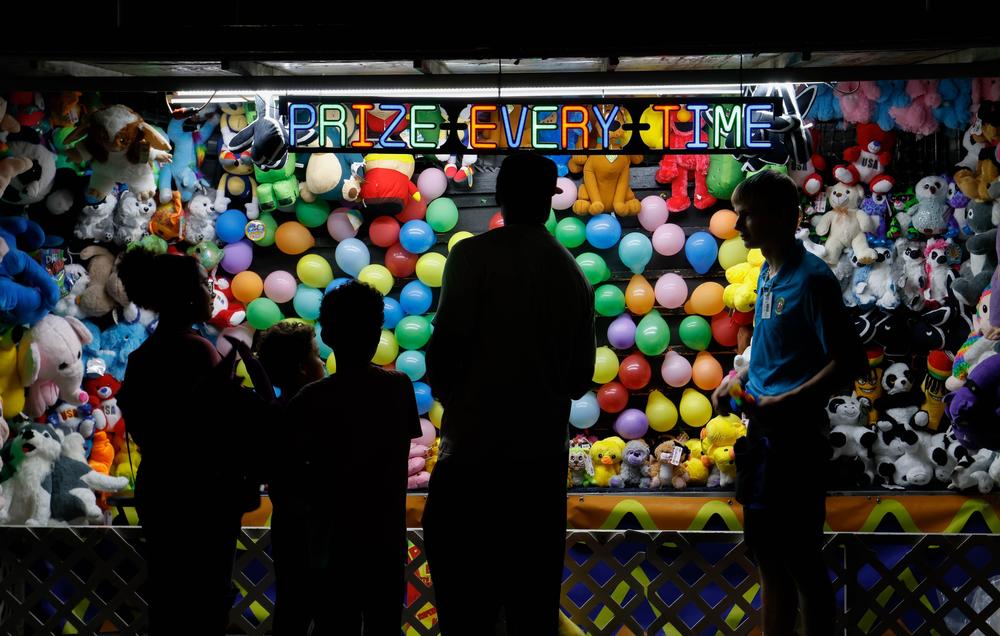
765	305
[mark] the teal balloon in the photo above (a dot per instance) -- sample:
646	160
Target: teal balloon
550	224
307	301
609	300
652	335
324	350
571	232
701	250
413	364
635	250
413	332
695	333
603	231
312	214
594	267
442	215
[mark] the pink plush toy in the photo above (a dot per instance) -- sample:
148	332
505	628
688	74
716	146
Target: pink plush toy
50	360
858	100
918	117
417	476
984	89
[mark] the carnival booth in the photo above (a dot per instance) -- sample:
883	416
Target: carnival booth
285	195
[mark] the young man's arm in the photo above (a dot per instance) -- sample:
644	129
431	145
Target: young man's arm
455	312
584	346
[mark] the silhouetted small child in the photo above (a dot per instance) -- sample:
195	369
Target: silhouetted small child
347	438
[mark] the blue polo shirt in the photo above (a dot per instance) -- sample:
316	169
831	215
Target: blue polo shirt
794	342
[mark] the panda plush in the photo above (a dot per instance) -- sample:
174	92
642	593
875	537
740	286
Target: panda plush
901	400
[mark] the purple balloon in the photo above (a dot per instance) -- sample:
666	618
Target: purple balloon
237	256
631	424
621	332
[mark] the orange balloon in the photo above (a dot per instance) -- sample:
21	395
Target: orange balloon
639	296
723	224
247	286
706	371
293	238
707	299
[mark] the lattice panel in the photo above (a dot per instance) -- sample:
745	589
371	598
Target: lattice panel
90	580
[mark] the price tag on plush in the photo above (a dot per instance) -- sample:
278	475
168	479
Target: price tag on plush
676	456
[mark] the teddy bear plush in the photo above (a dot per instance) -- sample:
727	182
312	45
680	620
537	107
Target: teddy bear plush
845	225
226	310
199	220
132	218
122	339
50	363
868	159
606	455
976	348
634	471
101	392
581	468
668	465
121	148
27	290
95	301
982	220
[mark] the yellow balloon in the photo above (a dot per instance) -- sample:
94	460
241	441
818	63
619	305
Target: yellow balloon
654	136
661	412
331	364
430	269
436	414
387	349
293	238
456	237
695	408
314	271
241	371
605	365
733	252
378	277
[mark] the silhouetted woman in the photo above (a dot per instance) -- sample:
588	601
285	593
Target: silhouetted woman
189	519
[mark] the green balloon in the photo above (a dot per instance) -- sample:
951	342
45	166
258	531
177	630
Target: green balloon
652	335
442	215
263	313
724	174
550	225
413	332
571	232
270	227
695	333
609	300
312	214
594	267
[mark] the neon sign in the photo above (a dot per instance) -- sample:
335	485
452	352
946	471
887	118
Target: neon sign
695	125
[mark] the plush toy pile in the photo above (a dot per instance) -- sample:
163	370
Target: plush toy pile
82	181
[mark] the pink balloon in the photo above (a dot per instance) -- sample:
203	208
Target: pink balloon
280	286
432	183
565	200
668	239
342	225
671	291
676	370
427	438
243	333
653	213
236	257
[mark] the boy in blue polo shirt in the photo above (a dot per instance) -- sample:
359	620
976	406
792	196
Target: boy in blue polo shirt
804	348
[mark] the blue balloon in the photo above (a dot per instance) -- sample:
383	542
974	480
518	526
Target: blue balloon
392	312
307	301
701	250
603	231
416	298
583	413
635	251
416	236
335	283
424	398
231	226
324	351
352	256
412	363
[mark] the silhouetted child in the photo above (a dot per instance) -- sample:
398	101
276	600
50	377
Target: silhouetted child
347	440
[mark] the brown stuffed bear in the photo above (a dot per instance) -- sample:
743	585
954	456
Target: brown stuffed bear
975	184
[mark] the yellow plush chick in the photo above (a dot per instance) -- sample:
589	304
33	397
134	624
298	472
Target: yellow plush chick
11	387
725	458
741	293
697	464
721	430
606	455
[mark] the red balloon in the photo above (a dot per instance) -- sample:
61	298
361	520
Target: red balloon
496	221
724	329
634	372
743	319
400	262
413	210
384	231
612	397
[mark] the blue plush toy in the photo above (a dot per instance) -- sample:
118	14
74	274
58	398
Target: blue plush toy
956	98
27	291
182	173
121	340
826	107
892	94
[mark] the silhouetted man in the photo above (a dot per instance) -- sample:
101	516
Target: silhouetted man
513	343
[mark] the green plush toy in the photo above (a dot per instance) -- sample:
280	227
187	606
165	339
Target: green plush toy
277	188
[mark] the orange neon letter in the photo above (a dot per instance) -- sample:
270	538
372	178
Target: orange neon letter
582	126
362	119
475	127
666	109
